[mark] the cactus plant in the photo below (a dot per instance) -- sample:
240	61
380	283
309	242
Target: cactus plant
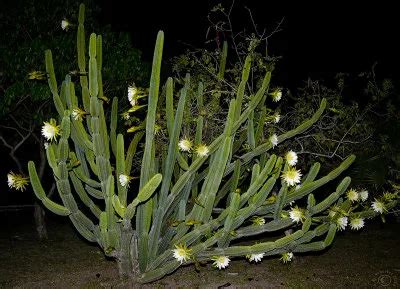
186	209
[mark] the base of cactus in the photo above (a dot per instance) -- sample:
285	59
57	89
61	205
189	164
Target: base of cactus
127	257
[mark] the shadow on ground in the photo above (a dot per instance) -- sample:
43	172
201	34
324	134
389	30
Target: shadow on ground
366	259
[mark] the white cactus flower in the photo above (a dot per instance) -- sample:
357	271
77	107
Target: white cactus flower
277	117
364	195
378	206
342	223
296	214
287	257
50	130
352	195
11	179
255	257
124	180
291	158
17	181
274	140
276	95
291	176
221	262
185	145
65	24
181	253
202	150
132	93
78	114
357	223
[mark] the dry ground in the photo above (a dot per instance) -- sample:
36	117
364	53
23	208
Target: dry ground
366	259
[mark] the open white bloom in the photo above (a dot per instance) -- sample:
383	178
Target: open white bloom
50	130
181	253
78	114
17	181
357	223
342	223
378	206
287	257
202	150
277	117
292	176
124	180
255	257
352	195
132	92
64	24
296	214
221	262
11	179
276	95
274	140
291	158
185	145
364	195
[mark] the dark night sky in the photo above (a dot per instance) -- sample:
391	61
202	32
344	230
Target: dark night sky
317	40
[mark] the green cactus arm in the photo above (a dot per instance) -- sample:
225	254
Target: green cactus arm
260	126
84	178
113	125
169	104
259	181
320	245
233	209
120	168
312	174
272	226
99	58
280	201
97	194
41	195
118	207
328	201
93	85
80	39
84	231
222	61
152	106
143	226
242	86
83	195
144	194
168	169
318	231
53	83
250	131
132	151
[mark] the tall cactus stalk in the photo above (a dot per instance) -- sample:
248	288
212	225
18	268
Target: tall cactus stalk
169	228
